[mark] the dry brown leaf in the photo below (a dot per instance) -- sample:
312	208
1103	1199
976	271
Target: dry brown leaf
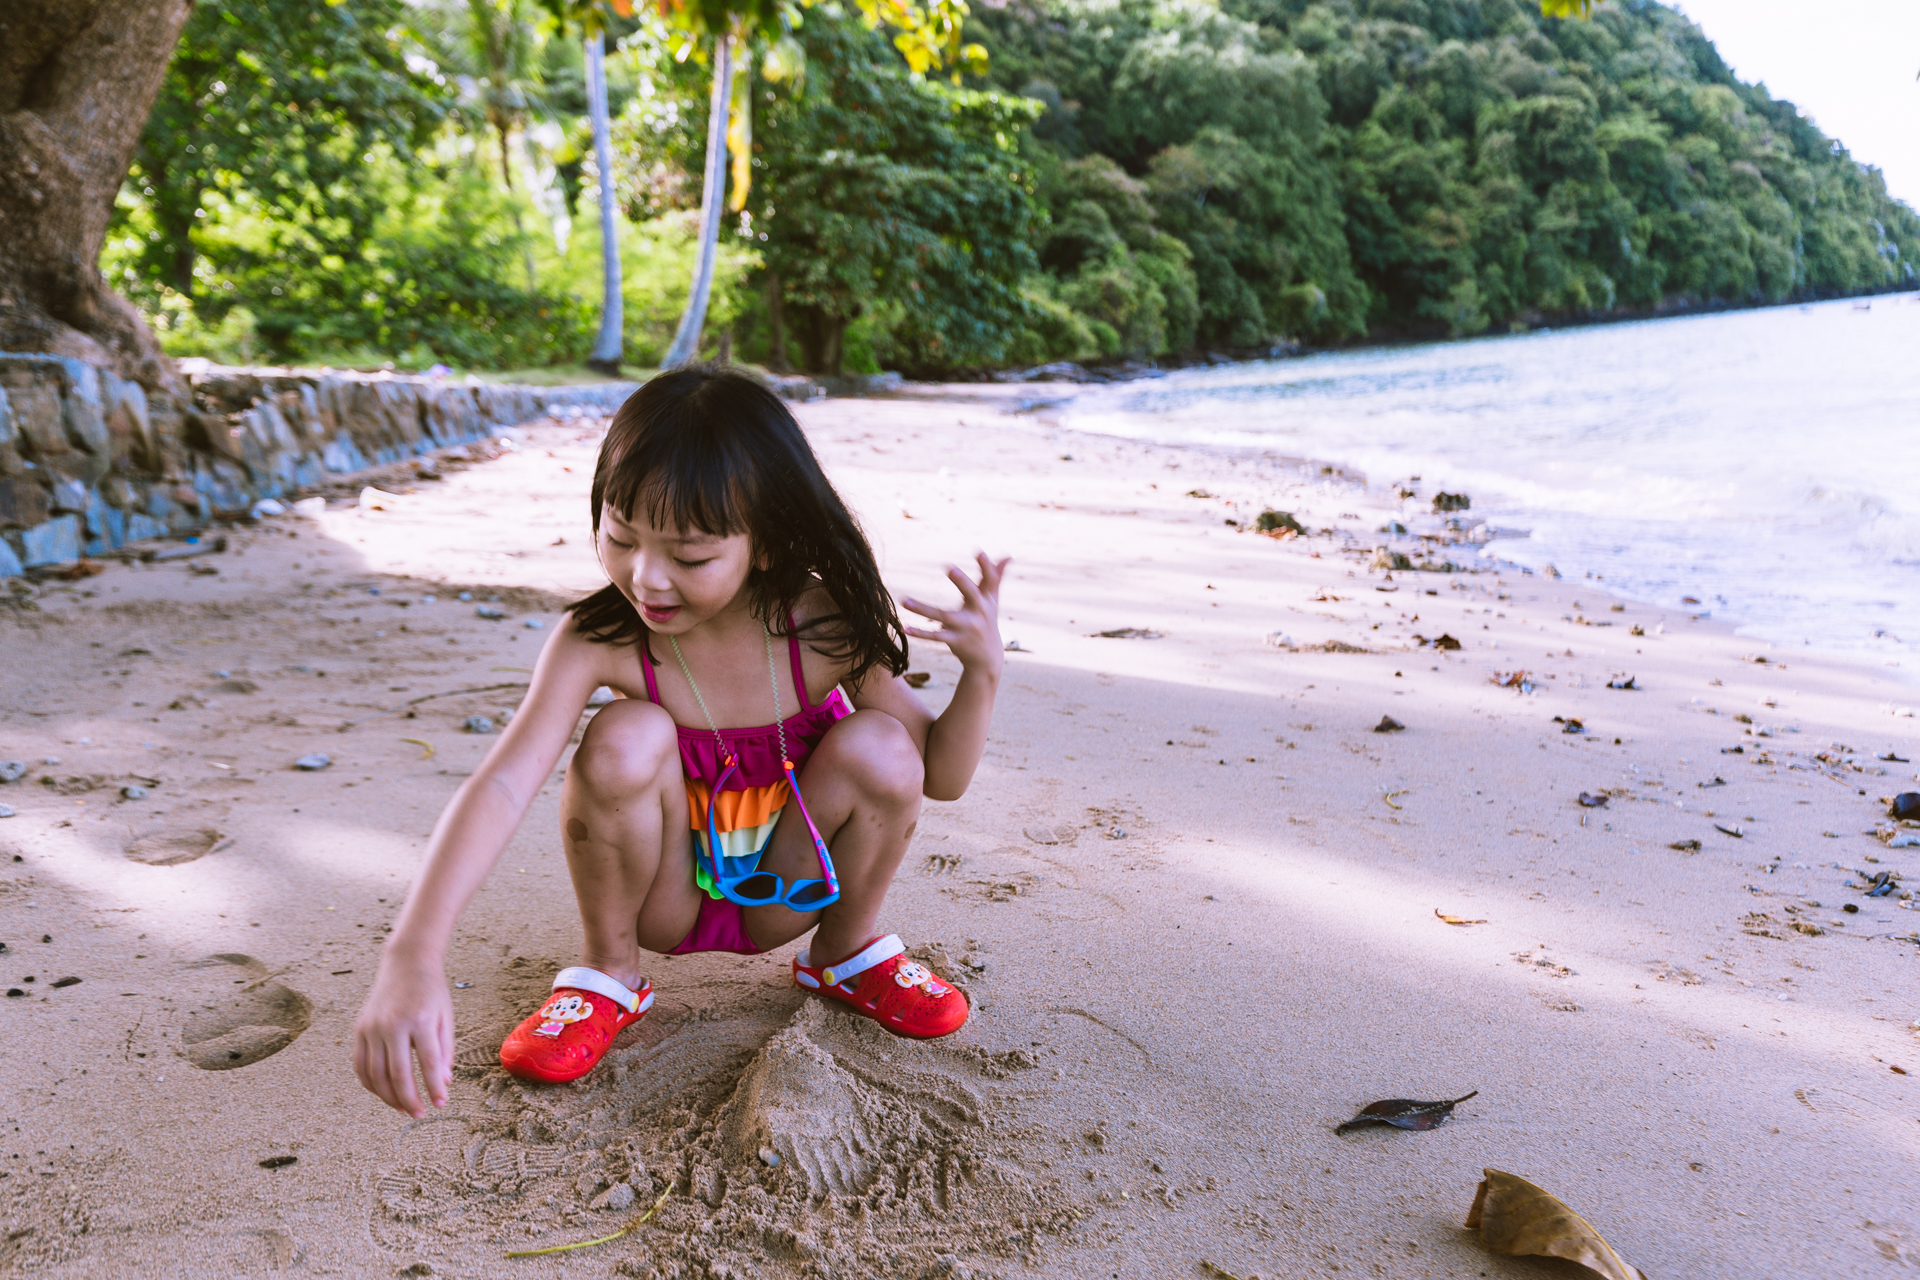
1516	1217
1446	919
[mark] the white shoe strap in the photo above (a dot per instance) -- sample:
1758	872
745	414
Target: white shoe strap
876	953
581	978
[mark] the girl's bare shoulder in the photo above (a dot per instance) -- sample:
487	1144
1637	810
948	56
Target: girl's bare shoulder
613	664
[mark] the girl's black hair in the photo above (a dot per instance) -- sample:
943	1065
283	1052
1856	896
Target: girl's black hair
712	449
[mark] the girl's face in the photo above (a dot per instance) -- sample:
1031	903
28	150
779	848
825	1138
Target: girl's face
676	578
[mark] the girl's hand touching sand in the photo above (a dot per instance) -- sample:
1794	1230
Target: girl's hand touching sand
972	631
408	1012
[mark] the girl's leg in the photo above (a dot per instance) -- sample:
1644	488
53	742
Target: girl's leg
862	786
623	819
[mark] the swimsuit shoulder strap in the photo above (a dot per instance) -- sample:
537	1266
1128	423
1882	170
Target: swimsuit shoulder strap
646	667
793	653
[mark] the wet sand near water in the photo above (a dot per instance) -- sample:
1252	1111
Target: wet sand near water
1192	896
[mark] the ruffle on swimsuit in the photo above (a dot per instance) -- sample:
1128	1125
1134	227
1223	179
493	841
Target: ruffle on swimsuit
747	808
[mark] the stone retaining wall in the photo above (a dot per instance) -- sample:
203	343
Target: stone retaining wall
89	462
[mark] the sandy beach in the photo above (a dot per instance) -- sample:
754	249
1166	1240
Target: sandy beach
1193	895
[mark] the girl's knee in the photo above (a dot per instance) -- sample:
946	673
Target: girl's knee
879	754
626	748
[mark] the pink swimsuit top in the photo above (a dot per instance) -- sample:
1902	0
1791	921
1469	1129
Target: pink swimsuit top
747	808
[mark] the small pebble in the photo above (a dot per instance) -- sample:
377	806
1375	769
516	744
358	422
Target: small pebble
49	759
532	624
770	1157
478	724
488	612
68	981
428	599
373	591
223	675
12	770
314	762
133	793
466	595
6	811
615	1198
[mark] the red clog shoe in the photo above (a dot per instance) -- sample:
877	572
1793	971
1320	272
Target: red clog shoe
882	984
575	1027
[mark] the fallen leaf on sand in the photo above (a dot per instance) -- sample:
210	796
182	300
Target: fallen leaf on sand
1388	725
1391	794
427	753
1454	919
1516	1217
1444	641
1215	1269
1590	801
1404	1113
1735	832
1686	846
1129	633
1622	682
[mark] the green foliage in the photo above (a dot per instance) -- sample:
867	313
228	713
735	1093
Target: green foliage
876	189
284	104
1345	167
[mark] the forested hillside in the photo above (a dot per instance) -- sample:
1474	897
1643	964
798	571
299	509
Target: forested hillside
408	181
1368	167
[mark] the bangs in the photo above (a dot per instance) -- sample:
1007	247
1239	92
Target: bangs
676	476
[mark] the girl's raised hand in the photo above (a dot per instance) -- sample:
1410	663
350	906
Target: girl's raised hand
971	631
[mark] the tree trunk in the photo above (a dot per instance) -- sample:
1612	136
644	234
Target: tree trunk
77	79
713	194
606	348
776	325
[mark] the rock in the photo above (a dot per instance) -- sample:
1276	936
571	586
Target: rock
269	507
6	811
490	612
1589	801
1271	521
55	542
310	508
372	499
532	624
614	1199
62	983
1389	559
1905	805
313	763
464	596
477	724
1388	725
12	770
1451	502
133	793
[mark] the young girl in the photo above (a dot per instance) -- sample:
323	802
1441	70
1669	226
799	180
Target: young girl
759	778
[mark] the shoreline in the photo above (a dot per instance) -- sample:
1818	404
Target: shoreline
1191	895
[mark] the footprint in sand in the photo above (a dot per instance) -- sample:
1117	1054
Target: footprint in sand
171	848
242	1015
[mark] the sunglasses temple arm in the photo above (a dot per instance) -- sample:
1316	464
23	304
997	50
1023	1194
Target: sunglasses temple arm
819	845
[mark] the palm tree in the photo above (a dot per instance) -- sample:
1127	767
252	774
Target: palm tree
606	347
928	37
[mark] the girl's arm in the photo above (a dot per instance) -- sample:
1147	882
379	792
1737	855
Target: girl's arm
952	744
408	1012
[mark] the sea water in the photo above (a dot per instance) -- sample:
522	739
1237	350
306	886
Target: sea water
1763	463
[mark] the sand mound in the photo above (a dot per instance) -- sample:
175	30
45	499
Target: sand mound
795	1142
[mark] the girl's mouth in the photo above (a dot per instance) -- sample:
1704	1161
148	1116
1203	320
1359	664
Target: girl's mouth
659	613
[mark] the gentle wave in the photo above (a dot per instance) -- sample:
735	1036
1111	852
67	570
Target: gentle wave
1767	461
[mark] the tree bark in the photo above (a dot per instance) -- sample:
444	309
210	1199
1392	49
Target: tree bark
776	325
77	80
713	194
606	348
